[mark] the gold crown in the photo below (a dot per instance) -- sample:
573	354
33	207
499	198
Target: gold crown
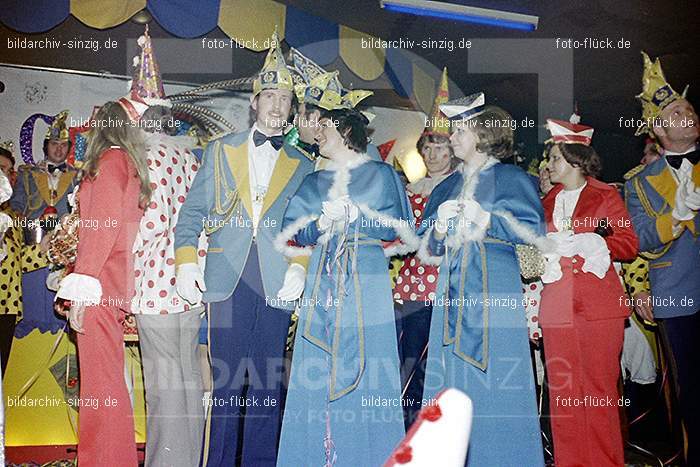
58	129
274	73
656	94
325	90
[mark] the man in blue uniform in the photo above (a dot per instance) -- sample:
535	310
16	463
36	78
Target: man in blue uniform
663	201
238	197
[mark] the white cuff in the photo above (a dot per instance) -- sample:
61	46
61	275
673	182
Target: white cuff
682	215
80	288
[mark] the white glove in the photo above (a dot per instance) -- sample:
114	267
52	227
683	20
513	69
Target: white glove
563	243
473	212
5	188
593	249
552	268
681	210
446	211
590	244
597	264
76	317
692	195
338	210
190	283
293	285
72	197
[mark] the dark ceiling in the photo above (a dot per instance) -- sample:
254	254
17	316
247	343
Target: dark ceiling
604	81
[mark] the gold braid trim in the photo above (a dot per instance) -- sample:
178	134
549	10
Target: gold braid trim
232	198
649	210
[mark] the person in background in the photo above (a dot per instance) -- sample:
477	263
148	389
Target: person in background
16	258
636	273
113	193
583	302
415	285
664	200
41	195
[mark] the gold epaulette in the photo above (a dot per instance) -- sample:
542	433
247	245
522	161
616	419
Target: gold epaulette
633	172
306	153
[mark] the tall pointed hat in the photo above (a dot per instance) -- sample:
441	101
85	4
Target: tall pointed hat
656	94
147	83
274	73
439	124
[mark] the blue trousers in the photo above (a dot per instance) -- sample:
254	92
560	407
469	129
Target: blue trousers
247	341
682	334
413	329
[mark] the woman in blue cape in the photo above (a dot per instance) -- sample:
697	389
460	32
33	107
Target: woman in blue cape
343	405
478	336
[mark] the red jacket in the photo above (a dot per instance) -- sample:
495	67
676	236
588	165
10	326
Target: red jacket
110	217
580	292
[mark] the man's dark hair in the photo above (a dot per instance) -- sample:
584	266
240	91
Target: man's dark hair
352	126
46	145
432	138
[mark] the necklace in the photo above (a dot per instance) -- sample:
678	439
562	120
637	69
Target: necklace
259	190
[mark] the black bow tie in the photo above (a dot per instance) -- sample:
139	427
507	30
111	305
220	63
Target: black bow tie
675	160
276	141
310	148
53	167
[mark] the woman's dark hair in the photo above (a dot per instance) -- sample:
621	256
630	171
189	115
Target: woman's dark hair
580	155
494	131
352	126
5	153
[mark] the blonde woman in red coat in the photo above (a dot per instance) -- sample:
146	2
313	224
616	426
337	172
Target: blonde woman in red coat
112	195
583	307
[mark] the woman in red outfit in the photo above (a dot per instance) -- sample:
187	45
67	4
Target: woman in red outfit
114	190
583	307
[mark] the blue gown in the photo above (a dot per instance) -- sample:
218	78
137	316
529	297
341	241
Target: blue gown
478	336
343	403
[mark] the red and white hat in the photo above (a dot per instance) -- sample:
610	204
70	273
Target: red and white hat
570	132
440	434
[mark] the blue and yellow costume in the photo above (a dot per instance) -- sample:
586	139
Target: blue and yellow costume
343	404
478	335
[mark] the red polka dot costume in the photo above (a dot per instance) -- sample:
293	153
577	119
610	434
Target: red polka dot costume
416	281
531	295
173	166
